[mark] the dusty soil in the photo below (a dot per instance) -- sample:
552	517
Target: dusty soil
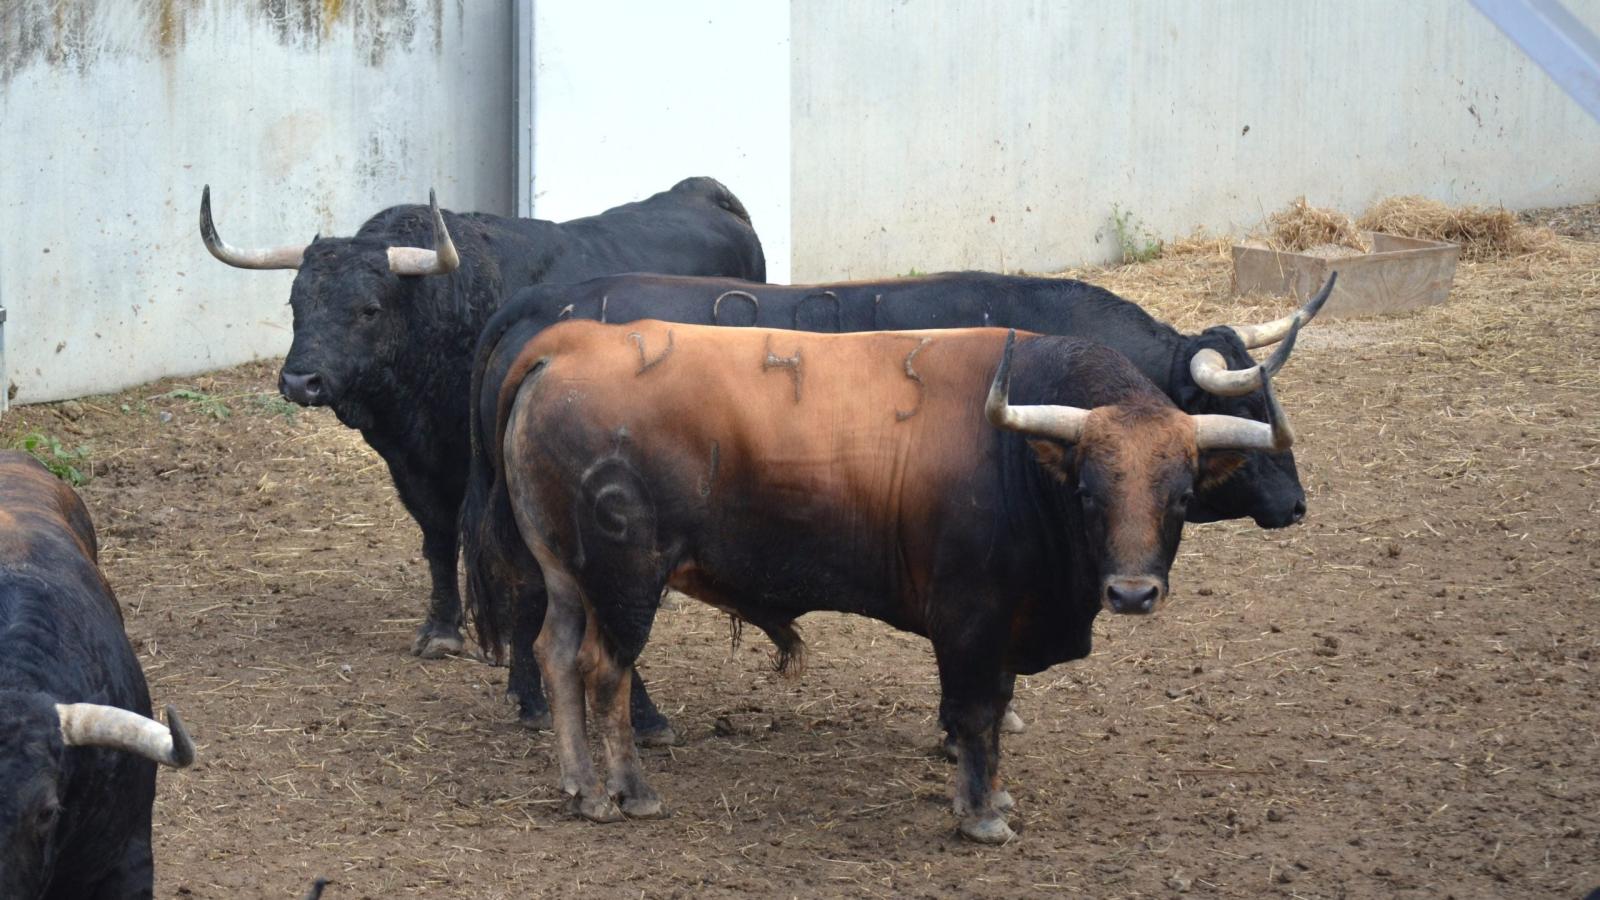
1396	698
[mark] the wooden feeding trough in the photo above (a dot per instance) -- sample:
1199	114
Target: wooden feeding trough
1399	274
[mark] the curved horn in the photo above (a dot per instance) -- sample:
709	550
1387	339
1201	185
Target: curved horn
441	260
1211	371
1064	423
96	725
1261	335
1235	433
259	258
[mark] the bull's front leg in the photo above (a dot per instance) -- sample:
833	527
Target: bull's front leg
974	699
1010	723
440	634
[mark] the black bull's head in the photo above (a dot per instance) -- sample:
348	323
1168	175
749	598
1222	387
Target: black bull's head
349	301
33	759
1264	486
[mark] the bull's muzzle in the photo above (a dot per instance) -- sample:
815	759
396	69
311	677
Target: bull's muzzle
304	389
1136	595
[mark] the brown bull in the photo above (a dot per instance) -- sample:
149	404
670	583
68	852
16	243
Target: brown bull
773	473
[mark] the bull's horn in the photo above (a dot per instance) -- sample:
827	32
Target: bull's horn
1261	335
1211	371
441	260
258	258
1235	433
96	725
1064	423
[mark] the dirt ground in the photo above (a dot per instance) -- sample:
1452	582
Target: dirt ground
1396	698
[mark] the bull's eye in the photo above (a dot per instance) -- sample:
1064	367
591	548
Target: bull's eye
45	818
1184	499
371	310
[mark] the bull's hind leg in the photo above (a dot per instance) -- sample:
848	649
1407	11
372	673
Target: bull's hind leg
650	727
560	652
523	684
610	686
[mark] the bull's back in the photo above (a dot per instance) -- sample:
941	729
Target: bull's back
673	232
843	438
41	519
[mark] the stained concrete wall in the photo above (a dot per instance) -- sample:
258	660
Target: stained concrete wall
630	97
303	116
940	134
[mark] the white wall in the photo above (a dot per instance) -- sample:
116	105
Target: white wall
112	116
940	134
632	96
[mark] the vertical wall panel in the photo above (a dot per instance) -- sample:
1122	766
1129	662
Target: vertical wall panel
940	134
304	116
631	97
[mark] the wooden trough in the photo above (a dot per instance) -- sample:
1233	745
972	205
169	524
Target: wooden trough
1399	274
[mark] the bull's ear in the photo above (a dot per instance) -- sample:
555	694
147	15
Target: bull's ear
1217	467
1054	457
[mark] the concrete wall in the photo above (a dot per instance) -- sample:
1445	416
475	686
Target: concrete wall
939	134
304	116
631	97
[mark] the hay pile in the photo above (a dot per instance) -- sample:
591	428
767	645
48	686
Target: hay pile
1483	233
1301	227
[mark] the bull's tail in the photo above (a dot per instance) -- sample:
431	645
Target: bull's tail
717	193
496	559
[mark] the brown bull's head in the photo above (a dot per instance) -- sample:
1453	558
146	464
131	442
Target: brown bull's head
1131	467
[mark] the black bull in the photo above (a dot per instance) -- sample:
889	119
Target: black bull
78	749
384	330
1261	485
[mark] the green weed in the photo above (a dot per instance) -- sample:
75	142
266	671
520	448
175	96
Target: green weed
1137	243
62	461
275	405
215	407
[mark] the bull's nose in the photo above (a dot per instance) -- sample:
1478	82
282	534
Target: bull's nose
306	390
1132	596
1299	511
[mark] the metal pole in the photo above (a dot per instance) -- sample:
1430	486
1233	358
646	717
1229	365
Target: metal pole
522	63
1554	38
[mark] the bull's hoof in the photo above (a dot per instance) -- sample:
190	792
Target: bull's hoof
533	720
660	735
1003	801
594	807
436	641
1011	723
990	829
644	805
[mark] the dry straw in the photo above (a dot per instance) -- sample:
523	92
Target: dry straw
1483	233
1301	226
